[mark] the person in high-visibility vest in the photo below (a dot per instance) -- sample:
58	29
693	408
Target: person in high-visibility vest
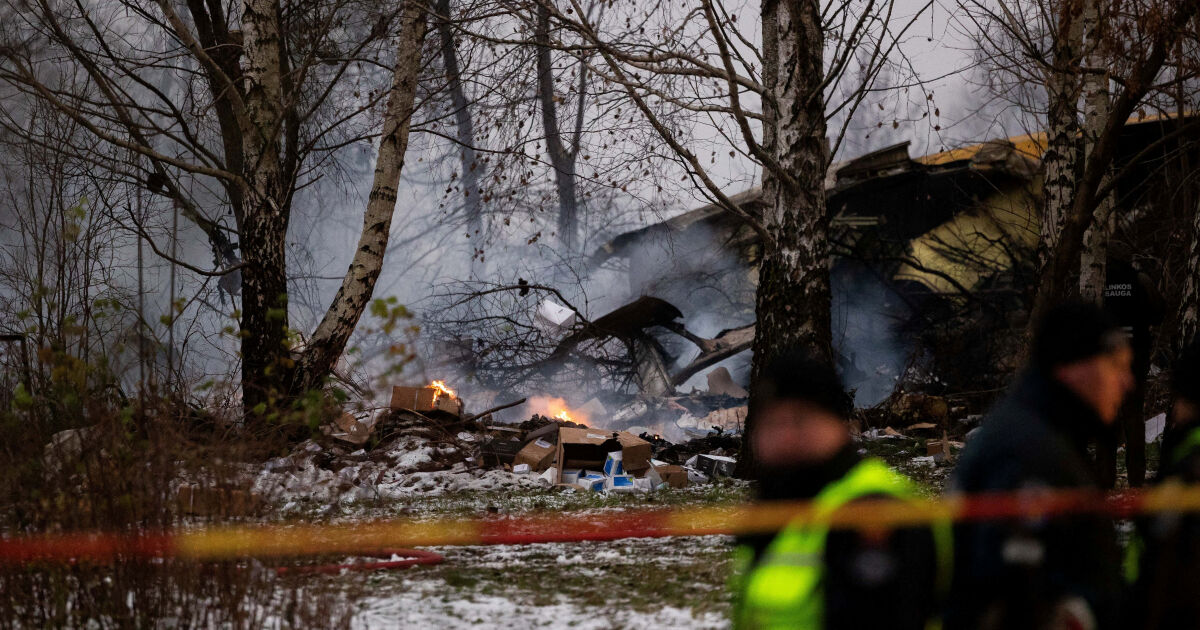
1162	562
809	576
1045	573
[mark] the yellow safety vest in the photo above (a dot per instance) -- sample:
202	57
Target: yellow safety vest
785	588
1131	564
1189	445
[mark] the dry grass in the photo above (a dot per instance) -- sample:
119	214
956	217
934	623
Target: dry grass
120	471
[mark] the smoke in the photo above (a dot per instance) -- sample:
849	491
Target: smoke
872	352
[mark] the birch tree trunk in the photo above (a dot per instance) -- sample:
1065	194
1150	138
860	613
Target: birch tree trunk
792	303
1096	111
331	335
1062	126
793	297
266	364
1054	273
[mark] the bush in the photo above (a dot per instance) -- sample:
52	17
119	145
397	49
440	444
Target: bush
136	469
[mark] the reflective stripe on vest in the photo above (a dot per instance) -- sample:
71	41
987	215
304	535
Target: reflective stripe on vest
784	590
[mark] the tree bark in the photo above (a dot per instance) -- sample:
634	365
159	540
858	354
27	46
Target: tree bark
793	298
562	160
214	37
792	304
1189	301
330	338
266	364
1062	126
1096	112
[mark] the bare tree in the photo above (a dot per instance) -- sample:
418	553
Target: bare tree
60	272
469	163
270	77
702	64
1151	36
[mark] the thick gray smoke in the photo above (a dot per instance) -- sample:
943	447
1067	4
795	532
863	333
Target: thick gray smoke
866	321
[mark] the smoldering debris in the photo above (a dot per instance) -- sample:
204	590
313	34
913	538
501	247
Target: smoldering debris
426	443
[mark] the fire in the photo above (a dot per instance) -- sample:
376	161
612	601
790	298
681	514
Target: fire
441	388
557	408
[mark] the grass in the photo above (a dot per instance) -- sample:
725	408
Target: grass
628	582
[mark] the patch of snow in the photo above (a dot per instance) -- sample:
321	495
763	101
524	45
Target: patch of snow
428	605
422	601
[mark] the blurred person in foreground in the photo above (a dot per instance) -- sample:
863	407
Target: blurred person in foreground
809	576
1045	573
1162	562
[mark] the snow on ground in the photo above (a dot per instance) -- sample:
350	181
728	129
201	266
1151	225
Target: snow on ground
428	607
631	583
400	471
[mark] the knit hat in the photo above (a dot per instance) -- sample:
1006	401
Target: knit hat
1075	331
797	375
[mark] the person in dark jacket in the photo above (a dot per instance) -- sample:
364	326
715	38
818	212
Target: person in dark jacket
1163	559
809	576
1061	572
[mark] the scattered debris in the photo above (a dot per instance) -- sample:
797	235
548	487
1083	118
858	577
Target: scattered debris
553	317
66	446
673	475
349	429
536	455
713	465
433	397
720	383
921	408
425	442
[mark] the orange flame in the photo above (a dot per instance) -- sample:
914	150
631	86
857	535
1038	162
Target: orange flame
557	408
441	388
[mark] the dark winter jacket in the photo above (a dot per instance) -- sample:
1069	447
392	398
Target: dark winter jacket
880	581
1013	573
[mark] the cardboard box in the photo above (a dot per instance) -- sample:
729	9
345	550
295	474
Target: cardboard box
620	484
538	454
424	399
612	465
589	448
571	476
670	474
716	465
352	430
593	481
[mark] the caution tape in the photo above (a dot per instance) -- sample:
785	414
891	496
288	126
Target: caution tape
224	542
